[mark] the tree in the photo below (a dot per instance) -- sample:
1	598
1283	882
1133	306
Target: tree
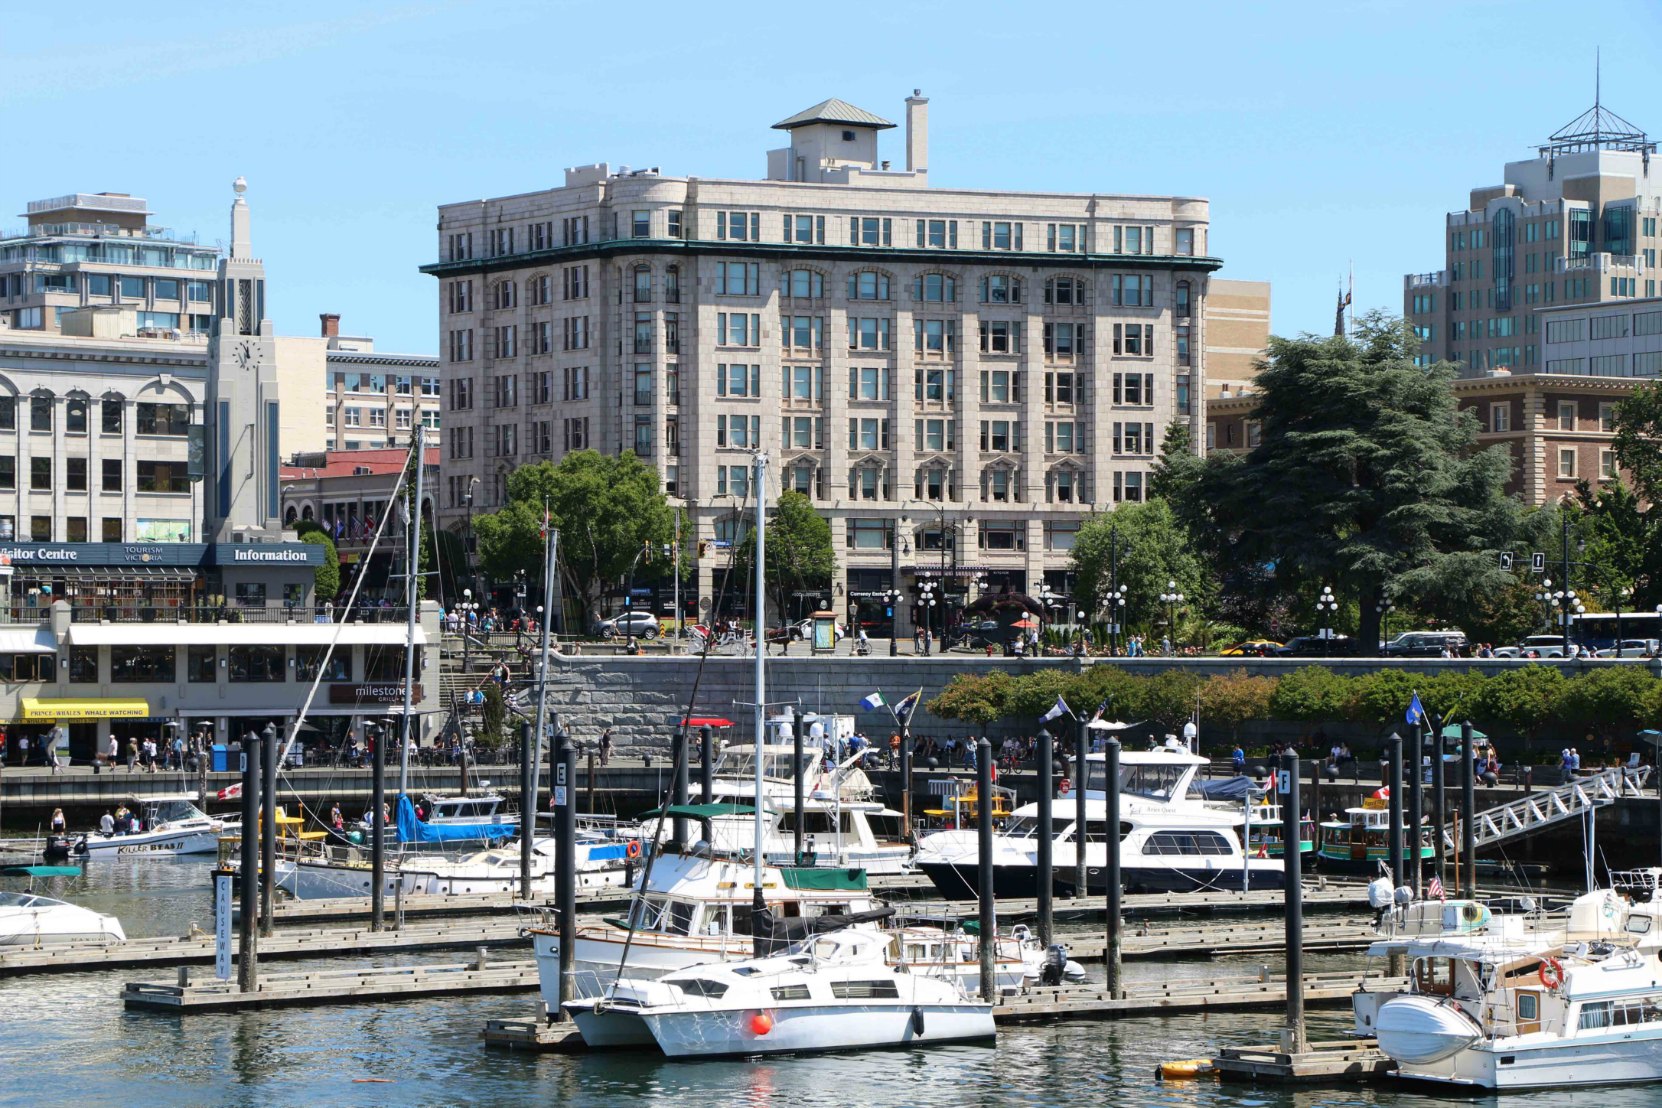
1312	693
1168	698
491	731
1366	479
1153	550
1233	698
1638	441
1178	468
1618	538
978	699
799	551
326	577
610	511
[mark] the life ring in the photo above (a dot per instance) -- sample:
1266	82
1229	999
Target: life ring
1065	786
1551	972
633	850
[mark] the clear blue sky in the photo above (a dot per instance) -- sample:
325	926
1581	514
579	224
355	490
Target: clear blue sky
1323	133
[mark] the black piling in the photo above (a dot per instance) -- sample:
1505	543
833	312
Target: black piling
984	843
1046	876
268	824
527	804
1111	871
1416	807
1288	785
1468	810
678	767
565	863
248	973
706	765
796	783
1439	807
377	829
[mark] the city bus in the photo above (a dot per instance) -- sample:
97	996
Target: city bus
1601	630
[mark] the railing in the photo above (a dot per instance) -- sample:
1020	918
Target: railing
1537	810
1601	262
1424	280
155	613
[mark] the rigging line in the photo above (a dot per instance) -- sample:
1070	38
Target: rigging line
675	771
340	627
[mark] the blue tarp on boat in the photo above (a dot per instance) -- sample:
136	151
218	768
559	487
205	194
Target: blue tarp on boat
412	830
1226	788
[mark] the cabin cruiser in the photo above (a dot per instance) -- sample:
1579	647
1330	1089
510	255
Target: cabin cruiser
1171	839
28	920
168	824
1529	1003
601	862
835	991
695	908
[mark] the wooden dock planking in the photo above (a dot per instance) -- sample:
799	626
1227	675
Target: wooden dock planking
1335	1062
1152	998
335	987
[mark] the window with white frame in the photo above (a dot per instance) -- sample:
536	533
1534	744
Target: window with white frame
574	282
1500	417
804	383
739	226
1000	436
1000	288
740	432
937	435
934	336
940	234
869	383
804	228
738	279
867	434
1063	389
934	385
1566	462
1065	238
868	285
1000	235
1566	415
870	231
1133	390
802	333
1000	336
1134	340
738	379
935	288
738	329
1001	386
802	284
1131	290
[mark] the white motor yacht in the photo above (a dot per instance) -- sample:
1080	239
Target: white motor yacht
168	824
837	991
1530	1004
28	920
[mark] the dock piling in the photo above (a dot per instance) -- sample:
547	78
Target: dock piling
565	861
527	804
1046	844
984	860
377	828
1393	756
796	782
1111	832
1416	806
706	768
1294	861
678	767
268	825
1081	747
248	924
1468	809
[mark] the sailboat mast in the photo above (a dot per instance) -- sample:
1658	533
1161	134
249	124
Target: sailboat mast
759	485
528	818
412	577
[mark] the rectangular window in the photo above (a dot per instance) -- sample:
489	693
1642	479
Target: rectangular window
1000	235
868	434
1065	237
1566	462
1000	336
866	383
738	329
1063	340
738	379
258	662
461	345
738	278
868	334
1500	417
1001	386
40	474
75	475
142	664
938	234
164	419
40	413
8	472
8	412
1566	415
1132	290
934	336
870	231
739	226
1609	326
937	435
162	477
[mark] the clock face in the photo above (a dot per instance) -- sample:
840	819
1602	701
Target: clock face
246	354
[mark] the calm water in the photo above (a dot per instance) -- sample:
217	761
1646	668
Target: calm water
68	1042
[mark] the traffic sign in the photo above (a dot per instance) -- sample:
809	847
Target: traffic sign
1506	560
1538	562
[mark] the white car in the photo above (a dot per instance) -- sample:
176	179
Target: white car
642	625
1631	648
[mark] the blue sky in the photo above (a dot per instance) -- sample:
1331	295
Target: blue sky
1324	134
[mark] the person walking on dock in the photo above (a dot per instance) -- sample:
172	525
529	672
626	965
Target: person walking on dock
115	751
132	754
606	746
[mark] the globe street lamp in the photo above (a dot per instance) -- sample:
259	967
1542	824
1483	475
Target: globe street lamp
1384	607
1171	598
1115	602
467	607
927	592
1327	608
891	601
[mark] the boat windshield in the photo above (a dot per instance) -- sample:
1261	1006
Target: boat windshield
1023	827
741	762
170	811
671	917
23	900
1157	781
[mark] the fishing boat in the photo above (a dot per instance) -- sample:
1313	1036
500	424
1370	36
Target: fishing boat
30	920
1361	842
837	991
1171	838
168	824
1541	1003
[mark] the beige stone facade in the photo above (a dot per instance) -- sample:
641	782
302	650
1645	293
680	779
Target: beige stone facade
923	362
1237	331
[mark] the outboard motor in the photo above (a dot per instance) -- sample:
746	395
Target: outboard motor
1055	964
1380	893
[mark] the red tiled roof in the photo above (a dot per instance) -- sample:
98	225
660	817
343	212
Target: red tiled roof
348	463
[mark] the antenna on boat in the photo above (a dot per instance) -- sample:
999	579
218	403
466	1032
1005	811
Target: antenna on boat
759	483
412	551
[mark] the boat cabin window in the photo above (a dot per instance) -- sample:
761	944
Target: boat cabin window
647	914
1529	1006
1021	827
892	828
166	811
865	990
1096	831
698	986
789	992
813	823
1619	1013
1637	925
1434	975
775	764
1187	842
1159	781
680	918
461	809
740	919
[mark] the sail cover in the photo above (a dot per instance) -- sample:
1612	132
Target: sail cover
412	830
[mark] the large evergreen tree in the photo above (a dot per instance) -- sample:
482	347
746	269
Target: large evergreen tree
1366	478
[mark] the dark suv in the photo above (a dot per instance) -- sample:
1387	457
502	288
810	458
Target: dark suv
1425	644
1313	646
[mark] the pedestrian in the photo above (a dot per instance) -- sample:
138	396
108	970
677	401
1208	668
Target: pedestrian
1237	759
606	746
1575	761
59	824
132	754
336	820
106	825
52	750
114	751
23	750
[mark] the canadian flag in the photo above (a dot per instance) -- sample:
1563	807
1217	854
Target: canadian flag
230	792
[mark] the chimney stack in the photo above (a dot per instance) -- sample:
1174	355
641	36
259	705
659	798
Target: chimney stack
331	324
917	132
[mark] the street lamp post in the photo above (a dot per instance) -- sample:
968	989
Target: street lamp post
927	588
519	606
467	607
1116	616
1171	598
1384	607
1327	609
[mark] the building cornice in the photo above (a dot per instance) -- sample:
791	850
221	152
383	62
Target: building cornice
105	355
360	357
824	252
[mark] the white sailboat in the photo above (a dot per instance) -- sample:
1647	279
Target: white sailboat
28	920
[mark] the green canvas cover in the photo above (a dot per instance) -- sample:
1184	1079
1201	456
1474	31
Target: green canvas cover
825	880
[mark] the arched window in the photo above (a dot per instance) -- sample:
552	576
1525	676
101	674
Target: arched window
934	482
1064	290
289	515
1181	300
935	288
868	482
306	512
802	284
76	406
1000	288
643	284
868	285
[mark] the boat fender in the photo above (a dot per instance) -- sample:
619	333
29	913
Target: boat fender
1551	972
761	1023
917	1021
633	850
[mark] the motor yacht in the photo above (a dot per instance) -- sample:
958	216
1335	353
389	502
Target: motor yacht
601	862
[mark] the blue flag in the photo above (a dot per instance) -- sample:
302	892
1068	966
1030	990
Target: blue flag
908	704
1416	711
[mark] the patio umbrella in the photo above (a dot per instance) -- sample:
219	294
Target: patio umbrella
1024	622
1452	731
1109	725
1652	736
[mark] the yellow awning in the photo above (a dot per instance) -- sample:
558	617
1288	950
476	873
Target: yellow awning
36	708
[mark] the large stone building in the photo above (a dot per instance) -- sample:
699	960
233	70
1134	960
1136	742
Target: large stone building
964	373
1576	224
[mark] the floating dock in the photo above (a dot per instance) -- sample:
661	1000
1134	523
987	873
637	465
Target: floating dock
1332	1062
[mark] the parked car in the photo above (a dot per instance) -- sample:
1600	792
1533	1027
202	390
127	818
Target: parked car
1631	648
1425	644
1251	648
1542	646
1507	652
1314	646
643	625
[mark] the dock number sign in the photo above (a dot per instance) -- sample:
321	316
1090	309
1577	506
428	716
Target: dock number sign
222	925
1283	782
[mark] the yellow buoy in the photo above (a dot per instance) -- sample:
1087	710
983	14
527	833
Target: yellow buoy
1186	1070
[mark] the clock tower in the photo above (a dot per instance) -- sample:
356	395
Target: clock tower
243	500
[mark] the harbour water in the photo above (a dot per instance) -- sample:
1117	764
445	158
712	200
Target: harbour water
68	1042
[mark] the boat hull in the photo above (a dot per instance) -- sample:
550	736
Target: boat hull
1016	882
1515	1066
429	883
610	1028
200	840
1332	860
316	881
816	1029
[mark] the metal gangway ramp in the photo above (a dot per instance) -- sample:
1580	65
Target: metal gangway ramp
1531	813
